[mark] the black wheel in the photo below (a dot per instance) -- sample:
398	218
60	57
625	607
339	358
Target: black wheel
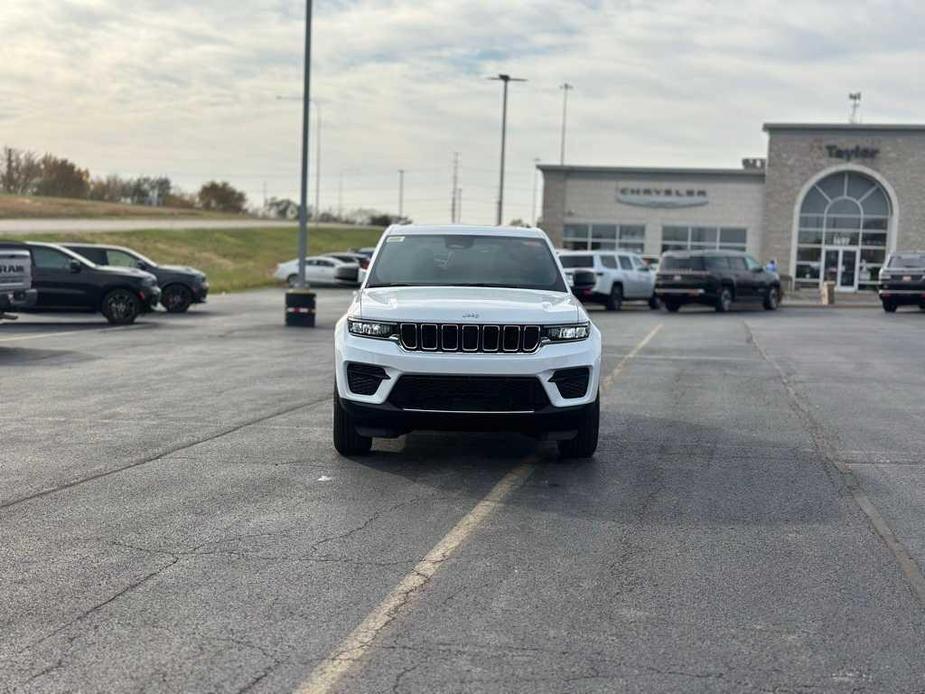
654	303
771	299
890	306
585	443
176	298
672	306
724	301
346	439
120	307
615	299
292	281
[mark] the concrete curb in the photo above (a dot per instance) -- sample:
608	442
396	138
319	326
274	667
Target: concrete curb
809	304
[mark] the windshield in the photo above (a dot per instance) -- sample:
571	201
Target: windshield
682	263
444	260
908	261
570	261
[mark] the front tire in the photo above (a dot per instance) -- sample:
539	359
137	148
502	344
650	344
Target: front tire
771	299
585	442
724	301
292	281
346	439
672	306
654	303
615	299
890	306
176	298
120	307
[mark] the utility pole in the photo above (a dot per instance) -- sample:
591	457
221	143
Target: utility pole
566	88
536	161
340	195
504	79
855	99
401	192
453	218
303	186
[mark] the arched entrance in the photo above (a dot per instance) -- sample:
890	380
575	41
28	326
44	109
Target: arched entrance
843	232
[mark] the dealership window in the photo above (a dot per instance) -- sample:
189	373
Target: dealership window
842	235
681	238
604	237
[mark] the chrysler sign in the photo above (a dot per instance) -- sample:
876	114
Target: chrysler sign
660	195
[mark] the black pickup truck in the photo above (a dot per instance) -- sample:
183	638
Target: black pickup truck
16	292
715	278
902	281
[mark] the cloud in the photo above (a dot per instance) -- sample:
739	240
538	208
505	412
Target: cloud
190	89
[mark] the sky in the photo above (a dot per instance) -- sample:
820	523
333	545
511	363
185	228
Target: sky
208	89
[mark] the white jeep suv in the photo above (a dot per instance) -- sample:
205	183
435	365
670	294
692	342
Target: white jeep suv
621	276
471	329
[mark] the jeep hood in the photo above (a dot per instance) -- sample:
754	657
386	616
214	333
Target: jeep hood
467	305
182	269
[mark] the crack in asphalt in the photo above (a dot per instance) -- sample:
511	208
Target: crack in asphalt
163	454
841	475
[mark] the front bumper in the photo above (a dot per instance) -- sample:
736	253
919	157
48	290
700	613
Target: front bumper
200	292
396	362
149	297
903	295
686	295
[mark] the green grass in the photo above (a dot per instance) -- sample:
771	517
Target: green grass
235	259
40	206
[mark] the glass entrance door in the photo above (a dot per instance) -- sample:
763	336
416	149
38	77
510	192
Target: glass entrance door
841	267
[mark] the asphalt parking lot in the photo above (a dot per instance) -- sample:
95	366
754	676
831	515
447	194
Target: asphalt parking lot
173	516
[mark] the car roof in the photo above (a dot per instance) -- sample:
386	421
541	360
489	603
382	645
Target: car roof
597	251
463	229
104	246
62	248
693	253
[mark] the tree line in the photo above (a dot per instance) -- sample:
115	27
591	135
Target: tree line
25	173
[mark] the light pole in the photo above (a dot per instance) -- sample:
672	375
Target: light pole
504	79
317	106
401	193
536	161
566	88
300	304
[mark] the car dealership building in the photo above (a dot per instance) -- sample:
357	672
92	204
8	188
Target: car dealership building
829	202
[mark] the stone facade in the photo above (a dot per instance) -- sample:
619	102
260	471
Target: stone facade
800	154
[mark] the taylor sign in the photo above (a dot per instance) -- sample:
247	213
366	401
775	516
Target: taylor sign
849	153
660	196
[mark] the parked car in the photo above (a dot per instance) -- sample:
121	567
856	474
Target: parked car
467	328
360	259
621	276
180	285
715	278
16	292
319	270
902	280
66	281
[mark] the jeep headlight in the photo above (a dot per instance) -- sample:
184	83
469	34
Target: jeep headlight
567	333
369	328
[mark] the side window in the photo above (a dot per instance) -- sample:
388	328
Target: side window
94	255
752	263
609	261
625	263
121	258
737	263
325	263
637	261
50	259
718	263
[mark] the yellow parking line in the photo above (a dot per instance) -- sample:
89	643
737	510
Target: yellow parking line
329	671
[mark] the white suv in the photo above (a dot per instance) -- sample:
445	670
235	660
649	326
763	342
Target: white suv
466	328
621	276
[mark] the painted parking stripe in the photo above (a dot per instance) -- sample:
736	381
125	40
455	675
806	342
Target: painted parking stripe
36	336
351	650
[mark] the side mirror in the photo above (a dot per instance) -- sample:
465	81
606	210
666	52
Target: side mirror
75	265
583	280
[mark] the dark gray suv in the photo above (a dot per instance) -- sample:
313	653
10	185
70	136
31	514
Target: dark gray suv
180	286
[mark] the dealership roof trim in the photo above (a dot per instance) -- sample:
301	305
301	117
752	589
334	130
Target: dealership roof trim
847	127
653	170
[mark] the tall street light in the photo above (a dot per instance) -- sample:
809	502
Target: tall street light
300	304
313	102
504	79
566	88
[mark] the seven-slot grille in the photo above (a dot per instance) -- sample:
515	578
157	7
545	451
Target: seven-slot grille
453	337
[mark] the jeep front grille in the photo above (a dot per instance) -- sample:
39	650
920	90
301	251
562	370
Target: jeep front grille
453	337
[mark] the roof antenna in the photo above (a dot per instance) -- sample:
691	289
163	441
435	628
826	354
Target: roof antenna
855	99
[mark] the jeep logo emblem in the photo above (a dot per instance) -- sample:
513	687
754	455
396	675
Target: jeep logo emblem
470	315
